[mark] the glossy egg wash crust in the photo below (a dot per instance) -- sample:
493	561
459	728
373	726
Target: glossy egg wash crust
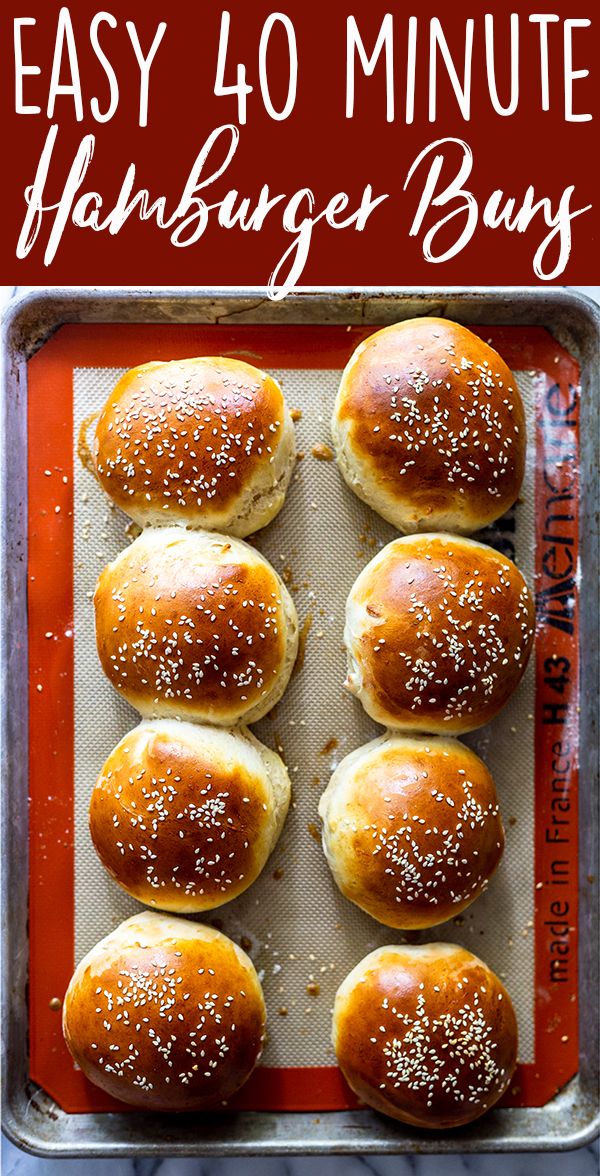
425	1034
207	442
165	1014
439	630
429	427
184	817
412	829
196	625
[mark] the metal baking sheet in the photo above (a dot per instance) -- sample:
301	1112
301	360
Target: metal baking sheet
568	1119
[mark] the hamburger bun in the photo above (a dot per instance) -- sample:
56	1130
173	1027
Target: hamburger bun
425	1034
165	1014
184	817
205	442
429	427
411	829
195	625
438	632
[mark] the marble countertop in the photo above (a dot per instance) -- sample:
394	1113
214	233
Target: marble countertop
583	1162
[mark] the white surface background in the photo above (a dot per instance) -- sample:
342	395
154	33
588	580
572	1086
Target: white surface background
584	1162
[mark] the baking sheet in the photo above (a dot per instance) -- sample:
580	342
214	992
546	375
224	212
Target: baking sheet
319	566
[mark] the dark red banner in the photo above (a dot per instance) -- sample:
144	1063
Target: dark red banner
330	143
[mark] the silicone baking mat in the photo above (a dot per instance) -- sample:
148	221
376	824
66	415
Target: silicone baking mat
301	933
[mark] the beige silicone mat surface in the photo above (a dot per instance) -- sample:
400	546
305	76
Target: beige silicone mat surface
304	936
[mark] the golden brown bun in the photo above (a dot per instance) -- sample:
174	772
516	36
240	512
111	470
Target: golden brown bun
412	829
429	427
195	624
184	817
207	442
438	631
165	1014
425	1034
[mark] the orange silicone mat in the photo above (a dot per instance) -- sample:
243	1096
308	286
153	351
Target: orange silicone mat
301	931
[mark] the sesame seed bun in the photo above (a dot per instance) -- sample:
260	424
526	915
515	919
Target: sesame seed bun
207	442
411	829
165	1014
438	632
429	427
196	625
425	1034
184	817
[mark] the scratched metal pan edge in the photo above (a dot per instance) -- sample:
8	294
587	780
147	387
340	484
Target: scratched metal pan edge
31	1119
